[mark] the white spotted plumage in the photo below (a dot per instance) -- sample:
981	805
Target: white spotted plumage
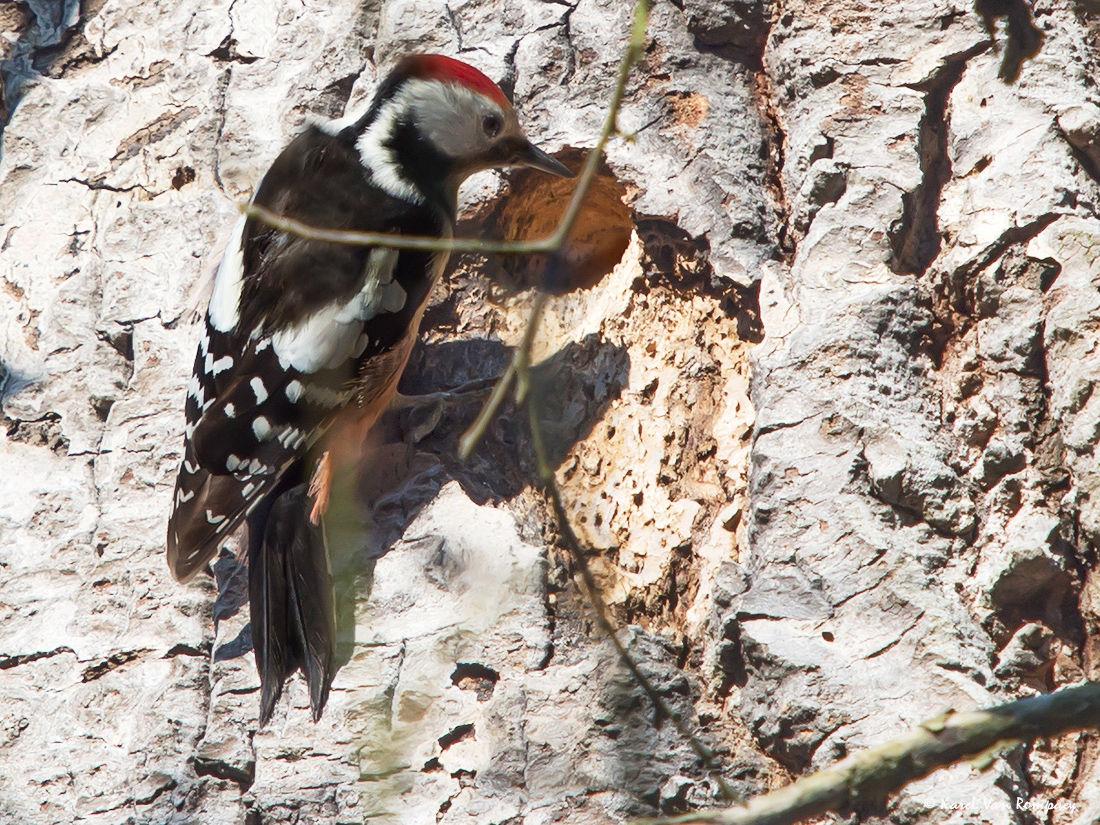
261	427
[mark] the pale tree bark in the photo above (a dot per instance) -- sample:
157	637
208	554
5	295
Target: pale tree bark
874	219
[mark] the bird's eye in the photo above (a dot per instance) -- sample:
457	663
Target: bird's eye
491	125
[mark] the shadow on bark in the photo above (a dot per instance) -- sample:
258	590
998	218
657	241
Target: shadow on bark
398	479
48	40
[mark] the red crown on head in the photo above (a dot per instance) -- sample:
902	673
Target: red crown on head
449	70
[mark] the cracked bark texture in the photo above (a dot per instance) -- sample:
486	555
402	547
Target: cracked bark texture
841	210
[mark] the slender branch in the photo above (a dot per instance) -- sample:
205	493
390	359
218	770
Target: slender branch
874	773
519	371
520	361
599	606
422	242
522	354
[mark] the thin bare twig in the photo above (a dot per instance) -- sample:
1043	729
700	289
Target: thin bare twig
519	372
633	53
603	616
871	775
351	237
520	358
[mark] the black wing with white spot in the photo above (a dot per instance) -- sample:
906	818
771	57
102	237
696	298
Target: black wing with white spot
248	419
292	323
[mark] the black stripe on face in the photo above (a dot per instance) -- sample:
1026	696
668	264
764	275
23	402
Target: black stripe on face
425	167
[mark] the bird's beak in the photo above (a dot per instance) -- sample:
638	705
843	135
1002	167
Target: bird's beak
535	158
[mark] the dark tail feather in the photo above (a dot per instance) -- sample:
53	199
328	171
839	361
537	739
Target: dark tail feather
267	595
310	583
290	595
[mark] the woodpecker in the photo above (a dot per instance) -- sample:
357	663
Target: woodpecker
306	338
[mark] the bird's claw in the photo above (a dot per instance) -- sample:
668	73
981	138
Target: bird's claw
436	403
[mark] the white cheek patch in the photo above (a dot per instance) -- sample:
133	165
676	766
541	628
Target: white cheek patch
329	337
447	114
225	301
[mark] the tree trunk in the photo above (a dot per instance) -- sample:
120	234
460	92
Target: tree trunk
875	221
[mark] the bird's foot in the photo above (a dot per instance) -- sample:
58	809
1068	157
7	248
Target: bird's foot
473	389
434	403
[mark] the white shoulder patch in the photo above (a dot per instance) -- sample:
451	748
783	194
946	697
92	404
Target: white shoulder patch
379	292
314	343
328	337
225	302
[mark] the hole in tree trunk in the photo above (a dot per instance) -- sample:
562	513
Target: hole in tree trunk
533	210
